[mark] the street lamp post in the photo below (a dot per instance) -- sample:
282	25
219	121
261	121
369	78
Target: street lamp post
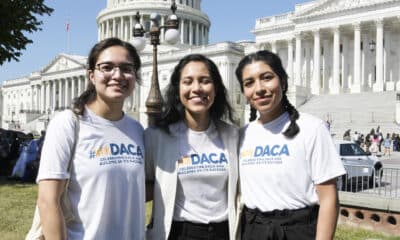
154	101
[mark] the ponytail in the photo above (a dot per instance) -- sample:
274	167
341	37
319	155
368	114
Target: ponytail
87	96
293	128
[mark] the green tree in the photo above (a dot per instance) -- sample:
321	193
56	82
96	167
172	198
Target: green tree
17	18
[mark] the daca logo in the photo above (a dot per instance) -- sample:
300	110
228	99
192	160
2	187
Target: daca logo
117	150
198	159
267	150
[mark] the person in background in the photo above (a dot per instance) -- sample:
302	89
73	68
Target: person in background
288	163
191	157
106	187
387	144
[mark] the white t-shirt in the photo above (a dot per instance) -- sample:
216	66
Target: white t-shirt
280	173
107	179
201	194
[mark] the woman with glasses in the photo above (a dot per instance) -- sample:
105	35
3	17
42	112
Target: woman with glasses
288	163
106	186
191	157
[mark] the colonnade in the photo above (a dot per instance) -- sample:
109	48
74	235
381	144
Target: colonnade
356	57
57	94
191	32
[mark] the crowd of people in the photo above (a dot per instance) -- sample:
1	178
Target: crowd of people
274	178
375	142
20	154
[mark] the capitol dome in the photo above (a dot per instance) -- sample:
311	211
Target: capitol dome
118	19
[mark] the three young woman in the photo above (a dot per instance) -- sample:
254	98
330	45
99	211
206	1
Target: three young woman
288	163
106	186
191	157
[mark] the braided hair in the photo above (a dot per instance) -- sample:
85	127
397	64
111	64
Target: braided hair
275	63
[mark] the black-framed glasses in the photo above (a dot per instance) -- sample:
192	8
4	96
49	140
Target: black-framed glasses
108	68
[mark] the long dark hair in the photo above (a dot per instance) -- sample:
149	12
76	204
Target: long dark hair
275	63
90	93
174	110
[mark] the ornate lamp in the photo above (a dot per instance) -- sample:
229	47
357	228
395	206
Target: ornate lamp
154	100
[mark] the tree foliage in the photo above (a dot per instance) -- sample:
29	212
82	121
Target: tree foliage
17	18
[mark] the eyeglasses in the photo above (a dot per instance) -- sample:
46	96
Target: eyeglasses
109	69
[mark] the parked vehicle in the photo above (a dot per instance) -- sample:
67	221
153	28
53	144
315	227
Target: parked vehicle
361	167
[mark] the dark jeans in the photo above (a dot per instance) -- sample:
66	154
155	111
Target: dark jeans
297	224
198	231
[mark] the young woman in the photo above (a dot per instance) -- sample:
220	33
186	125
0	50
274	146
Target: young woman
288	163
191	157
106	187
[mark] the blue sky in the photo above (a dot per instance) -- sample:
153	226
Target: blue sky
231	20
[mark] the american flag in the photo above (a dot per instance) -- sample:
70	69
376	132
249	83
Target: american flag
67	26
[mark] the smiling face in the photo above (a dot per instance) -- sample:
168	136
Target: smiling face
262	89
111	77
196	89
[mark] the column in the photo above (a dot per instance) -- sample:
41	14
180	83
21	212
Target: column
298	60
38	97
290	61
345	71
336	61
190	32
162	35
66	105
388	61
107	28
366	67
327	65
273	47
316	85
54	105
378	86
356	87
114	28
79	86
42	97
60	102
307	65
197	34
32	98
182	29
73	88
86	83
48	104
130	29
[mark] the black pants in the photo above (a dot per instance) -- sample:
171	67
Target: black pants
198	231
297	224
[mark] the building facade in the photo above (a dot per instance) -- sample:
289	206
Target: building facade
336	46
327	47
30	102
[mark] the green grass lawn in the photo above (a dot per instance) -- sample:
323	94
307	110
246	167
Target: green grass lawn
17	202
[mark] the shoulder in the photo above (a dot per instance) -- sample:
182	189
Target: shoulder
64	120
134	123
224	127
309	121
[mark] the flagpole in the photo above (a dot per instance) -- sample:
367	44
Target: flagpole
68	36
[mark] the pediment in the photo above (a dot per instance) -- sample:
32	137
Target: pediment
324	7
61	63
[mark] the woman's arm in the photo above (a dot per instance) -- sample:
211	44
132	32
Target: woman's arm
51	215
328	211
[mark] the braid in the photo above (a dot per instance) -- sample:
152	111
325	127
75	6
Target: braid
293	128
253	114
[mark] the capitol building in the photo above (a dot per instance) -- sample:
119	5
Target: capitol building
333	51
